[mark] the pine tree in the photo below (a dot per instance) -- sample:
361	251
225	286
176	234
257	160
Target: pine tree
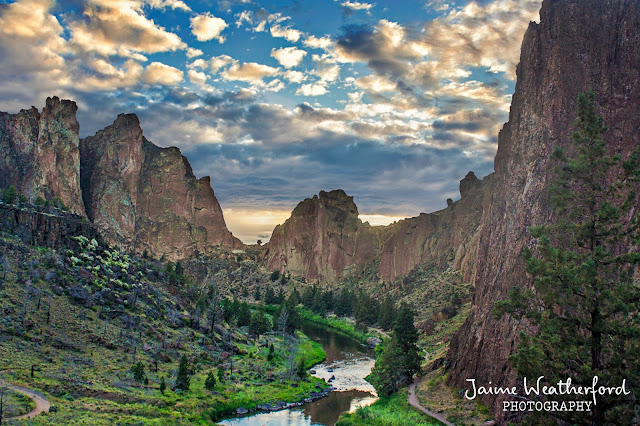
584	303
138	371
407	336
260	323
210	381
386	375
9	195
221	374
183	380
163	385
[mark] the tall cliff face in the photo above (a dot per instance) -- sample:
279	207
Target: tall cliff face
449	235
40	153
324	241
578	45
147	198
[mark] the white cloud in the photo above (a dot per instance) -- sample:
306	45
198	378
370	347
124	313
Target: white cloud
242	17
288	33
207	27
173	4
119	27
197	77
221	61
288	56
311	89
249	71
159	73
294	76
194	53
355	5
318	42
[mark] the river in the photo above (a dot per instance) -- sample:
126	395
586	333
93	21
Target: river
347	360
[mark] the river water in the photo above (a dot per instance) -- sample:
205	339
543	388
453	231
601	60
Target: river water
349	362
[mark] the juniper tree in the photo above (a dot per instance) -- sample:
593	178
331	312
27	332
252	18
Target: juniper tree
581	316
183	380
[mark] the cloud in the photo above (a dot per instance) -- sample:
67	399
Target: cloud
288	33
159	73
311	89
197	77
354	5
288	56
119	27
207	27
318	42
294	76
249	71
173	4
194	53
218	62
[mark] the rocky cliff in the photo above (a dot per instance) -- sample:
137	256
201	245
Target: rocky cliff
40	153
325	241
138	195
578	45
145	197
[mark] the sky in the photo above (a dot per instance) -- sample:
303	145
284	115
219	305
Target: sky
392	101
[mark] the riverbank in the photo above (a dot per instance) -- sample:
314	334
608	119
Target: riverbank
339	324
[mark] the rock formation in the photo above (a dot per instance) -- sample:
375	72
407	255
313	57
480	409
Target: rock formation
147	198
324	241
578	45
40	154
138	195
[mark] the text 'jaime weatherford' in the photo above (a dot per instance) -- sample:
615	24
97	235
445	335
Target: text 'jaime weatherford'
561	388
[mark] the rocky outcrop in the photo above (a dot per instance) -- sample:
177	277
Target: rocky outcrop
578	45
40	153
145	197
449	235
44	227
324	241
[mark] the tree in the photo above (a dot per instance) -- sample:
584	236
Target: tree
386	314
581	314
163	385
270	296
9	195
406	335
257	296
260	323
275	275
183	380
271	352
386	374
210	381
221	374
301	369
138	371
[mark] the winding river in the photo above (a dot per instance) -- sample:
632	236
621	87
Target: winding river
349	362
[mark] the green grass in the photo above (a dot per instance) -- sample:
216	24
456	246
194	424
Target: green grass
83	363
341	325
17	404
389	411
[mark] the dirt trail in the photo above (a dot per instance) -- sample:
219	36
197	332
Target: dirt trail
42	403
413	400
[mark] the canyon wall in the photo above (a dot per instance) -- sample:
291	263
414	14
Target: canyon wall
577	46
324	240
139	196
40	153
145	197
